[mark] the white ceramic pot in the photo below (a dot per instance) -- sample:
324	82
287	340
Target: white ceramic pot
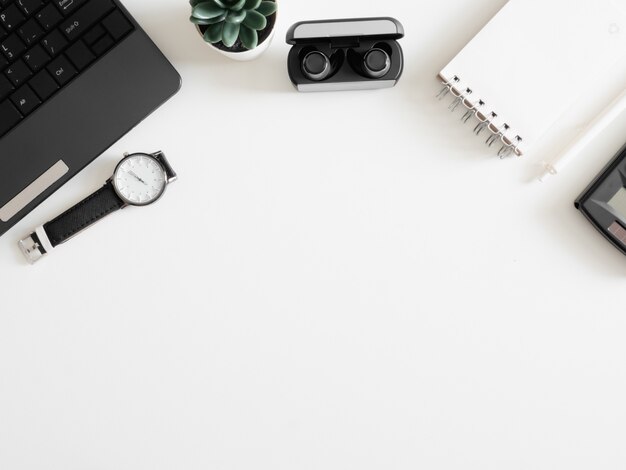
246	55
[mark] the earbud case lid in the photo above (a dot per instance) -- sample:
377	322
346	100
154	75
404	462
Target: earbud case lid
307	31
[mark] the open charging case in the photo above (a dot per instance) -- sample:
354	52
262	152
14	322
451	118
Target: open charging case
350	54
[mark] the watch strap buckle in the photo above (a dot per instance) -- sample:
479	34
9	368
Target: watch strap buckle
35	246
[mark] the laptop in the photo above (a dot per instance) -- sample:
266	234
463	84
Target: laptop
75	76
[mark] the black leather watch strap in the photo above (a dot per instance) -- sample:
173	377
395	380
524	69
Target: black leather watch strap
82	215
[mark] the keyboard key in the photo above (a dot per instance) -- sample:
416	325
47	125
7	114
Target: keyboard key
29	6
3	62
5	87
11	17
94	34
54	43
68	6
36	58
9	117
12	47
25	100
43	84
61	70
30	32
17	72
117	25
102	45
79	55
83	19
48	17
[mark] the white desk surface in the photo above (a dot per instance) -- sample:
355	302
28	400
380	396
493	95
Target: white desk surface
348	282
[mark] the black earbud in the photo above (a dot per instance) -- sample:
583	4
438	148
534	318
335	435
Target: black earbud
376	63
316	66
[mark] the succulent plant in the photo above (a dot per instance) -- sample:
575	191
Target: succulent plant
229	20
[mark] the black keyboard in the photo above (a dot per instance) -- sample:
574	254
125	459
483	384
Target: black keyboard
45	44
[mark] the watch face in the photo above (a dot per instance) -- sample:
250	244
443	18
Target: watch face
139	179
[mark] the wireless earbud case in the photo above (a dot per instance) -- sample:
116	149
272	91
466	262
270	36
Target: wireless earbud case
362	54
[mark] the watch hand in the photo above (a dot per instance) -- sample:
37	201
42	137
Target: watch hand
135	175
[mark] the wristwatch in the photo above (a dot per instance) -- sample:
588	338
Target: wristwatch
139	179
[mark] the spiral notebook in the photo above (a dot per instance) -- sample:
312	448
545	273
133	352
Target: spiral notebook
530	63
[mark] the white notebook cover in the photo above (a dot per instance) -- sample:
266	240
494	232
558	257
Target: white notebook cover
535	57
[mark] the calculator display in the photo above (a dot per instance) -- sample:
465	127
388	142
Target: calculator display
618	203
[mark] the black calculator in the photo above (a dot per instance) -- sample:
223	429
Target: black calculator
604	201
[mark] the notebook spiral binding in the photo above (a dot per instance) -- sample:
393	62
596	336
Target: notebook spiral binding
484	120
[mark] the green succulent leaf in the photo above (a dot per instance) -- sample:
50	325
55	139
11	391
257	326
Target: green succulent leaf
200	21
193	3
267	8
236	16
222	4
230	34
213	33
238	5
218	19
252	4
255	20
207	10
249	37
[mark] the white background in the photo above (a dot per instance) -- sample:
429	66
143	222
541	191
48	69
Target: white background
337	281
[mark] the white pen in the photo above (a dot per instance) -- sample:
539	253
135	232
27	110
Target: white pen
596	126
